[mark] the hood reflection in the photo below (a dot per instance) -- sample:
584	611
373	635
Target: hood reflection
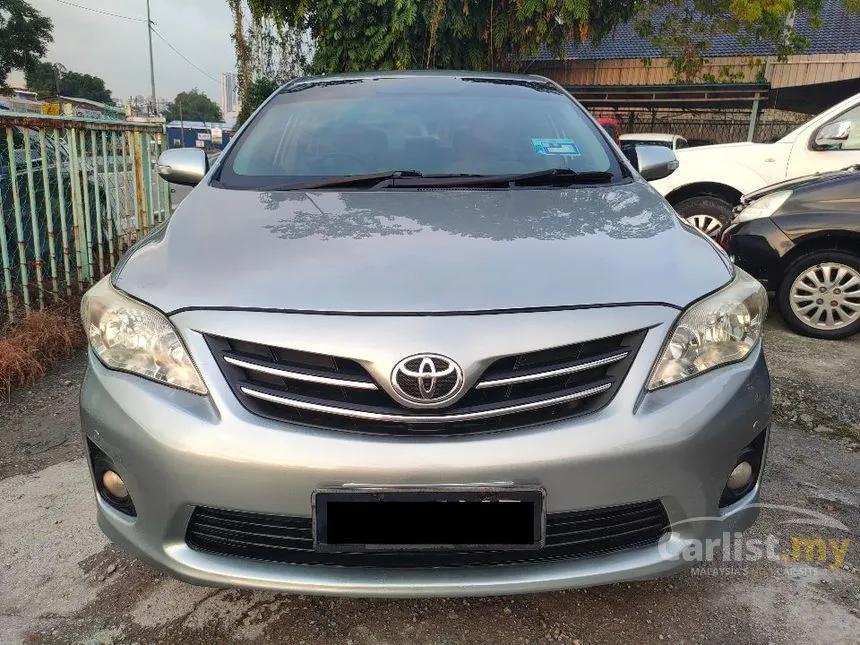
616	212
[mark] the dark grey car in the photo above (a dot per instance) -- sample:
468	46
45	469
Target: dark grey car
423	334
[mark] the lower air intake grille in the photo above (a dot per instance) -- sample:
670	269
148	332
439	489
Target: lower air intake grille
338	393
289	540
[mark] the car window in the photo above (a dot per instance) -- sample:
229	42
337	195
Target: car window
852	142
433	125
681	143
645	142
612	130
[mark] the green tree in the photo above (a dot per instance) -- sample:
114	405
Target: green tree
503	34
24	36
462	34
258	92
44	77
193	105
684	29
48	78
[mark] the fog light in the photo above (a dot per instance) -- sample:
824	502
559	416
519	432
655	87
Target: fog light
746	471
114	485
740	477
111	487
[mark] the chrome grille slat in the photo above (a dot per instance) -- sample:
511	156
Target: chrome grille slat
544	385
308	376
423	418
536	375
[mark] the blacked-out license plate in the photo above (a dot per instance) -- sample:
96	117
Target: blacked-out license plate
428	519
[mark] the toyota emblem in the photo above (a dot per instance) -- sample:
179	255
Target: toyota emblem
427	379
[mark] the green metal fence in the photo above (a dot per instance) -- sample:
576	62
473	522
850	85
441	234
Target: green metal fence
74	195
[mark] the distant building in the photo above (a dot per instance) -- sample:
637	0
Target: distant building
22	94
83	108
142	106
18	99
827	72
21	100
229	93
625	77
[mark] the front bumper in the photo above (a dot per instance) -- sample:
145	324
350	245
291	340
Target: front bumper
176	451
758	247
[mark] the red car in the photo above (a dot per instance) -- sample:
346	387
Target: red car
612	127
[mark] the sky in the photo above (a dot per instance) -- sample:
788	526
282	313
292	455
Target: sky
116	49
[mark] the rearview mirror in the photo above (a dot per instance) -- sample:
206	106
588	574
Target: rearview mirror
832	133
652	162
185	166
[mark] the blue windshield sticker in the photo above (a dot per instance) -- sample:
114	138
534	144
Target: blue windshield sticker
557	147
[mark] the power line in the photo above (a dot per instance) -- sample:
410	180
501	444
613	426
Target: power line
183	57
105	13
152	27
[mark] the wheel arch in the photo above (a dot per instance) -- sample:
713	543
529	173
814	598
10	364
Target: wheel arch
705	189
846	241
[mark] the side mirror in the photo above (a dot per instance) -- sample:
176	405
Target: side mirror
653	162
831	134
185	166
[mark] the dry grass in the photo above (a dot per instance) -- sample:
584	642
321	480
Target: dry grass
37	341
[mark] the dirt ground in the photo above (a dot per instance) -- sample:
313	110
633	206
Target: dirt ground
62	582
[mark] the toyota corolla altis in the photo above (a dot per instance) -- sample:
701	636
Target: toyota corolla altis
423	334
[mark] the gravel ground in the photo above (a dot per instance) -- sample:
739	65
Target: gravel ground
62	582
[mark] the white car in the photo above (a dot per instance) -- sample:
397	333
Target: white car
711	179
673	141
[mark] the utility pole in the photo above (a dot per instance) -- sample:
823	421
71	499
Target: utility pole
56	79
151	63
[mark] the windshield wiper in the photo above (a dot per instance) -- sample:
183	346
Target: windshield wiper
414	179
562	177
348	181
553	177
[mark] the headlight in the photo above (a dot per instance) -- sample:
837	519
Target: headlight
721	329
128	335
764	207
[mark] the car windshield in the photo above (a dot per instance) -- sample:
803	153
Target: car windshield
647	142
415	124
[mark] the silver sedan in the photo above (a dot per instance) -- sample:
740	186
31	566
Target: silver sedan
419	335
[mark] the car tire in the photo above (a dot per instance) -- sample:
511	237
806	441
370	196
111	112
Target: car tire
800	279
708	213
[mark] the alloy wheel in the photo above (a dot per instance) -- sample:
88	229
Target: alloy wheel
827	296
708	224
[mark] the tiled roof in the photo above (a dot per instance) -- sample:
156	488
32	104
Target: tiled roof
839	33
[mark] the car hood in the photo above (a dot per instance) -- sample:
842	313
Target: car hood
797	183
724	146
422	251
748	151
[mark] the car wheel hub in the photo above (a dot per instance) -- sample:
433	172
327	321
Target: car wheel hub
708	224
827	296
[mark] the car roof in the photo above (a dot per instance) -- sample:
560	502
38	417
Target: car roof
434	73
650	136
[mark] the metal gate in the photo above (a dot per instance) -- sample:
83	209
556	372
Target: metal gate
74	195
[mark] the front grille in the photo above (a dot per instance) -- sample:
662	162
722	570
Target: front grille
337	393
289	540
